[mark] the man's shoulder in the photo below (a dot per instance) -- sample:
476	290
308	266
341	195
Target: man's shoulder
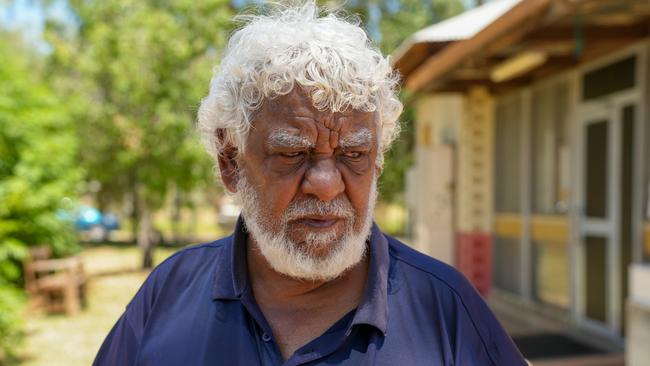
435	272
444	293
202	251
184	266
194	254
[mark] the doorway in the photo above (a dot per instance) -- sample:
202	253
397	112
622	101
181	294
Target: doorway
607	130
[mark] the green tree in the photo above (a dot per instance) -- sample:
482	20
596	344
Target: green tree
38	170
398	22
138	69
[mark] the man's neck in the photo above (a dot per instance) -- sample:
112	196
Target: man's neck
300	310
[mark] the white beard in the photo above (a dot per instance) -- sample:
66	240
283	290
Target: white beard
293	260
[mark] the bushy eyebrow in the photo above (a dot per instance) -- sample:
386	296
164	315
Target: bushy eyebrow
358	138
284	138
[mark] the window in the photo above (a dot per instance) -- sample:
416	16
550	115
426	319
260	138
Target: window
507	165
507	264
550	193
646	239
609	79
550	149
507	147
646	214
551	272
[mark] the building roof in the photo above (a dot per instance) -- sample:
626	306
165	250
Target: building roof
465	25
467	49
462	26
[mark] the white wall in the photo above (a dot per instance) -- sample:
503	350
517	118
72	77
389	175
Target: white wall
437	119
638	316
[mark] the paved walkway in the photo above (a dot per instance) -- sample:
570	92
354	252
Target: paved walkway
521	322
617	359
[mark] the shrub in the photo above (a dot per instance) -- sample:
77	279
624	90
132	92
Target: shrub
38	170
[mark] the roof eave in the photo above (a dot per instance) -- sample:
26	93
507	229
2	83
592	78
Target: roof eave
434	69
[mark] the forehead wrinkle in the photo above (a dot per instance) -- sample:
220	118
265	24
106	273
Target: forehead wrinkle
362	137
284	138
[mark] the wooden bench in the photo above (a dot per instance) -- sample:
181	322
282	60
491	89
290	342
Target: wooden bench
58	285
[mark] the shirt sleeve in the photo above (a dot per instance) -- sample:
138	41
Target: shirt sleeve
481	340
120	346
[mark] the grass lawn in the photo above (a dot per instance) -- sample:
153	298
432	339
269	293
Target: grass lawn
74	340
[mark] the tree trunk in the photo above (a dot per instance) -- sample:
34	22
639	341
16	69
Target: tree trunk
146	240
135	214
176	215
193	227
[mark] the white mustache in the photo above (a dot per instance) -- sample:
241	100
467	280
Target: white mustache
340	207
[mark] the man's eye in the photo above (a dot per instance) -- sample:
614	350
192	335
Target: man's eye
294	154
353	154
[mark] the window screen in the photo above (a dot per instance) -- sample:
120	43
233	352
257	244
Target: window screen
612	78
550	149
507	147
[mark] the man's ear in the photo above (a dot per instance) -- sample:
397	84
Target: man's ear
228	167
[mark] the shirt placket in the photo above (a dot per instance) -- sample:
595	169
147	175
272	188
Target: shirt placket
322	346
262	331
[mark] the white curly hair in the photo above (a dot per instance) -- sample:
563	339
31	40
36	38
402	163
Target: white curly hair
330	57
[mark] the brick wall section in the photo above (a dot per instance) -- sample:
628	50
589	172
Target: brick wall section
474	193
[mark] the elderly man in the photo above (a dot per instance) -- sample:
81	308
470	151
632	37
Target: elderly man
298	118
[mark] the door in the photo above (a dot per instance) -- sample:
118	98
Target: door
605	224
434	227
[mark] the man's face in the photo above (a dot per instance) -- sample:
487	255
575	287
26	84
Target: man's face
307	183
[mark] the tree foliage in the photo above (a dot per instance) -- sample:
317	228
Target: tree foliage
38	170
401	18
139	69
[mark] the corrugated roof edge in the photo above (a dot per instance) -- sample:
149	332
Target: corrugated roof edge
462	26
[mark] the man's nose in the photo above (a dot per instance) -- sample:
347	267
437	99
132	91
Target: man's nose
323	180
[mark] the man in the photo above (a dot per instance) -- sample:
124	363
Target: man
298	118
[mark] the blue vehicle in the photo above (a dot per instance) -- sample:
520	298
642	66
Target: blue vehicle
89	219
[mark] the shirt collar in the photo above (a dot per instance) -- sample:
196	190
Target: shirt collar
231	277
373	308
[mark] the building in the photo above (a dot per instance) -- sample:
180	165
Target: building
533	147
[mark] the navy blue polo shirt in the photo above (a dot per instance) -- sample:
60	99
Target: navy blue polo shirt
197	308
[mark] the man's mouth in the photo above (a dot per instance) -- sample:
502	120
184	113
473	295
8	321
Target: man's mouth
318	222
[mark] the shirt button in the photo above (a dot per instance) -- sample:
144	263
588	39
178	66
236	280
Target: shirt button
266	337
